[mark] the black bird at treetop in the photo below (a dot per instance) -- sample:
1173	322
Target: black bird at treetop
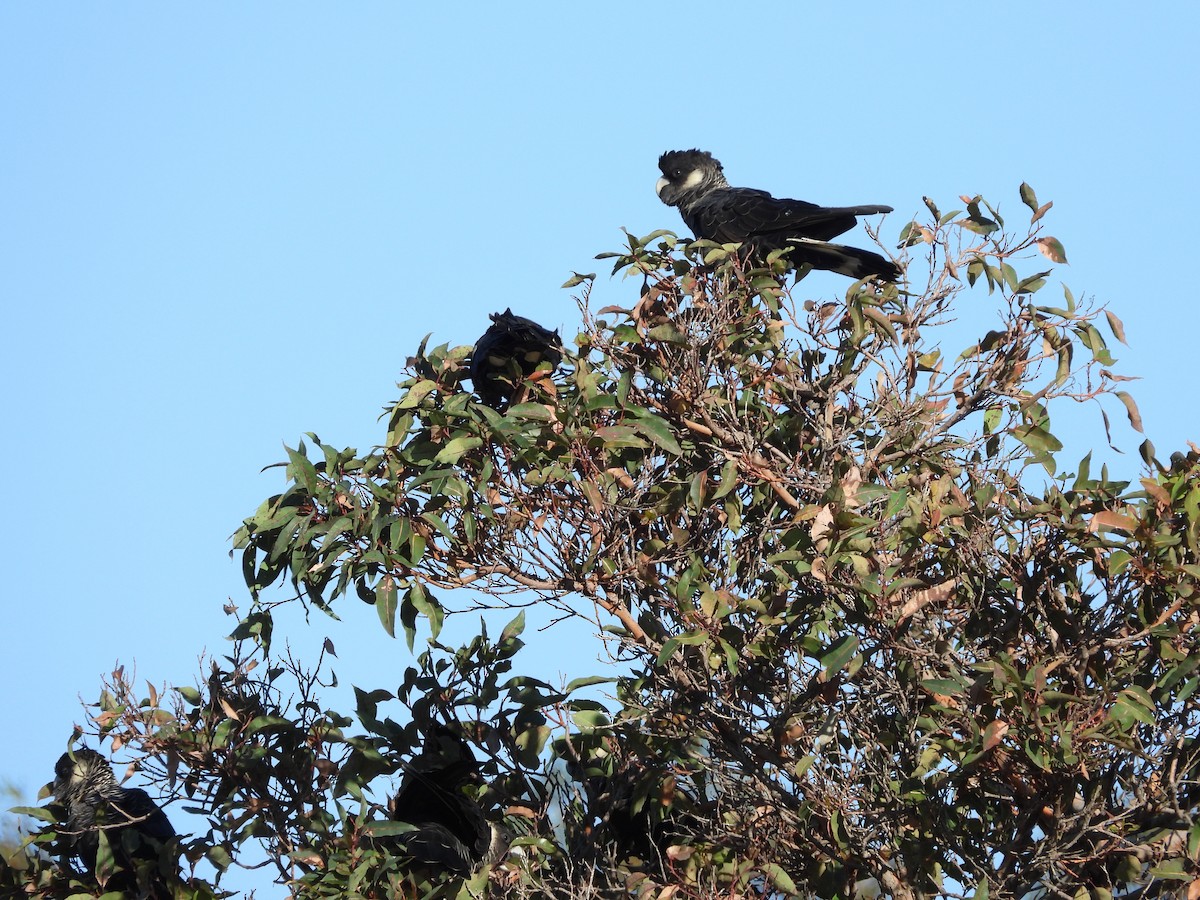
134	826
695	182
452	833
509	351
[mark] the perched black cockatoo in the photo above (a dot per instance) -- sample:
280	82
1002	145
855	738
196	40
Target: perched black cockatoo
133	825
452	833
694	181
509	351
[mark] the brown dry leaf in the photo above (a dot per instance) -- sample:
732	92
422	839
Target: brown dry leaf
1135	417
1109	520
818	570
1117	326
821	526
918	600
851	482
1041	211
793	732
593	495
1158	492
1052	249
994	733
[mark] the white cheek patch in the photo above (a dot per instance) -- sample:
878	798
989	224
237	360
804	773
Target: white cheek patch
660	185
694	178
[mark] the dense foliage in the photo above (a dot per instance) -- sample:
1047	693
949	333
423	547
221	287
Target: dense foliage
864	631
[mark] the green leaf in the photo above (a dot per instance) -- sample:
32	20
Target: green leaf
536	412
780	878
416	394
513	628
659	432
838	654
35	812
1125	709
667	334
982	226
670	645
1028	197
576	278
946	686
426	604
386	599
387	828
591	719
1031	284
454	450
219	857
587	681
1037	439
302	469
728	479
190	694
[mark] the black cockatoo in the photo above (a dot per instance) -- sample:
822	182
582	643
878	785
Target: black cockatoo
507	353
133	825
452	833
694	181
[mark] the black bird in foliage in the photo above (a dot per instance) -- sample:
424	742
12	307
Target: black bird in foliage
694	181
509	351
133	825
452	833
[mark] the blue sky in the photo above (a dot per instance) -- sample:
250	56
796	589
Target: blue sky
223	226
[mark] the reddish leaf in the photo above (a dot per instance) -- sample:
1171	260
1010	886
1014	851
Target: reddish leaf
1041	211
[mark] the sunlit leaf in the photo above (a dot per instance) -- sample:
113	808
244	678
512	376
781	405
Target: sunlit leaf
386	600
1052	249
